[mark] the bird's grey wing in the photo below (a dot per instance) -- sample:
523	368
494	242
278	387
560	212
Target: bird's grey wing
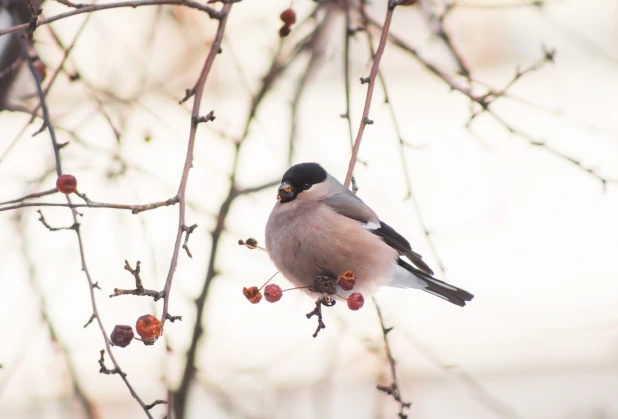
352	207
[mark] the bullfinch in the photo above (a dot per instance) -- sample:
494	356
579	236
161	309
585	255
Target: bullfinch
319	228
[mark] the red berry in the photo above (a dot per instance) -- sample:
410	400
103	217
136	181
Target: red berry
284	31
122	335
252	294
272	293
149	328
355	301
66	184
346	281
288	17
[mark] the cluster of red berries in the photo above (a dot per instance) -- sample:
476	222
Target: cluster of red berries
147	326
273	292
288	17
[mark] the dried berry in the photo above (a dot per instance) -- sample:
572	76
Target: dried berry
149	328
122	335
288	17
272	293
283	32
346	281
252	294
66	184
41	69
355	301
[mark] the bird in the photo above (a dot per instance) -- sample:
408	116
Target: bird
319	228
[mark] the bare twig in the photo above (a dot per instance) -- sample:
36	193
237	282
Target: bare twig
30	196
135	209
392	389
477	391
139	287
49	227
371	83
197	101
46	117
105	370
156	402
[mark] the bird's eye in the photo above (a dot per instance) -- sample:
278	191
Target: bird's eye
306	186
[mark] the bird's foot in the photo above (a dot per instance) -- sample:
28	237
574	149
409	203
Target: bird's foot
325	285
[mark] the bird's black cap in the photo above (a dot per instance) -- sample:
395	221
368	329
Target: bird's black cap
304	173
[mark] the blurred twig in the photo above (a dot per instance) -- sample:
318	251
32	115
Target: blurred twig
214	14
87	405
484	397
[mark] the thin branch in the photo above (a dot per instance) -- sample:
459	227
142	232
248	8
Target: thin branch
139	287
30	196
371	83
135	209
346	72
478	392
214	14
393	389
46	117
105	370
195	115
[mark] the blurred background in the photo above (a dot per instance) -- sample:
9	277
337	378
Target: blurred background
521	206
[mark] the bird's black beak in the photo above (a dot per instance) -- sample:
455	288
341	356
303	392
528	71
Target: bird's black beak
286	192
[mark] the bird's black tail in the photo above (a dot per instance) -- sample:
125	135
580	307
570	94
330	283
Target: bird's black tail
439	288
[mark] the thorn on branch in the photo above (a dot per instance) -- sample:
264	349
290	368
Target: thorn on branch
549	54
90	320
153	404
172	318
105	370
209	117
188	231
188	94
96	285
41	129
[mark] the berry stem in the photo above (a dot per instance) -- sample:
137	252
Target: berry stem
269	279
